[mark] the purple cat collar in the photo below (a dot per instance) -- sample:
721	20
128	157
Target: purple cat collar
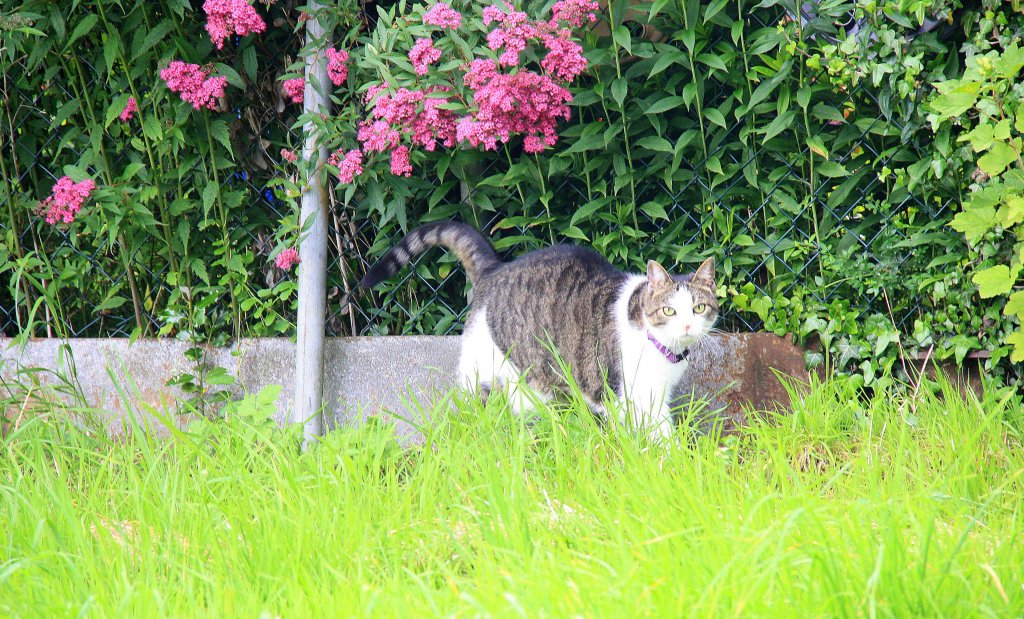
671	356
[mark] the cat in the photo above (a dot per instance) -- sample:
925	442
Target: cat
631	333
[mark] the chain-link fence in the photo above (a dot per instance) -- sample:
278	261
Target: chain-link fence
769	237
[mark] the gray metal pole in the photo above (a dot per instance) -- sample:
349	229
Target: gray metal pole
309	350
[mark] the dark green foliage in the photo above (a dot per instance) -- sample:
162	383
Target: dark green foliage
796	152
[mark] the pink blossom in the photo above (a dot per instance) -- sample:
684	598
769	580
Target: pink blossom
227	17
337	69
66	200
480	72
514	31
294	89
525	103
287	259
377	136
574	12
129	110
442	15
400	165
565	58
533	144
413	113
289	155
434	124
423	55
193	84
373	91
350	164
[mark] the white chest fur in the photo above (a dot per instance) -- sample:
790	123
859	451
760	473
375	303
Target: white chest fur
648	377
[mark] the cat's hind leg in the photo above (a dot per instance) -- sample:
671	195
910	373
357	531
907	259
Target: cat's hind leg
479	357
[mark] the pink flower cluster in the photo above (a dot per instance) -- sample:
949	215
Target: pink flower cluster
504	103
66	200
227	17
350	164
415	114
294	89
194	84
515	32
289	155
423	55
287	259
443	16
129	110
337	69
400	165
574	12
524	103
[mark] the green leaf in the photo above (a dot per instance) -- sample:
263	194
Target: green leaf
573	232
993	281
115	108
817	146
1016	339
654	142
980	137
884	339
622	38
219	130
779	124
712	61
831	169
1015	305
1009	62
199	268
154	36
83	28
209	197
111	47
619	87
715	116
957	101
664	104
974	221
233	77
249	62
714	8
589	142
997	158
654	210
110	304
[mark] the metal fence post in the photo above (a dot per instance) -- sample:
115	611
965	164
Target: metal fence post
309	350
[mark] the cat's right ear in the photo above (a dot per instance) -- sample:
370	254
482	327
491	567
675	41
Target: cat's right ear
657	276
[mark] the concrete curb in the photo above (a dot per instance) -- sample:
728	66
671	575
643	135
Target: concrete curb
362	376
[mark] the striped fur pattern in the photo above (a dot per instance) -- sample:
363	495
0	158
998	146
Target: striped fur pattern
473	250
570	300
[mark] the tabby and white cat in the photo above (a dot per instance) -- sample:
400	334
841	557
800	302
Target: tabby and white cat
631	333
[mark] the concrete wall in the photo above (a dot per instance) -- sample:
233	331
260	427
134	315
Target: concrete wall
362	375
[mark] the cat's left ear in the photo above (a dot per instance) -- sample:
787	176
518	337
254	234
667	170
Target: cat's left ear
706	272
657	276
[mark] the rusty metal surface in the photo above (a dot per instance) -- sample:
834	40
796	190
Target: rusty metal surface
362	376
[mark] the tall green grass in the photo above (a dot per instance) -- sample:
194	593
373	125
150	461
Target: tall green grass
847	506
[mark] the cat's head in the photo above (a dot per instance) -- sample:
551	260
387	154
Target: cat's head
679	310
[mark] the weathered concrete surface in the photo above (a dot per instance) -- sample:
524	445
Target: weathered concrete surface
362	375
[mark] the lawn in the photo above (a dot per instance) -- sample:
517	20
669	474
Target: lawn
895	504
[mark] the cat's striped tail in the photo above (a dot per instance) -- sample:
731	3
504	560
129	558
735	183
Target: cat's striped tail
473	250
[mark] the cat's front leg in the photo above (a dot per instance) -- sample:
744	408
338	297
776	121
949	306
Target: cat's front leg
660	425
651	417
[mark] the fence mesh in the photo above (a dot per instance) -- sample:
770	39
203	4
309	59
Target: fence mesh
691	208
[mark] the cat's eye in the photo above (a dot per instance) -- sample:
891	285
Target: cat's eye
699	308
668	311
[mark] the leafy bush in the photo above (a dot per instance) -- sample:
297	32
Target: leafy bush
791	144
